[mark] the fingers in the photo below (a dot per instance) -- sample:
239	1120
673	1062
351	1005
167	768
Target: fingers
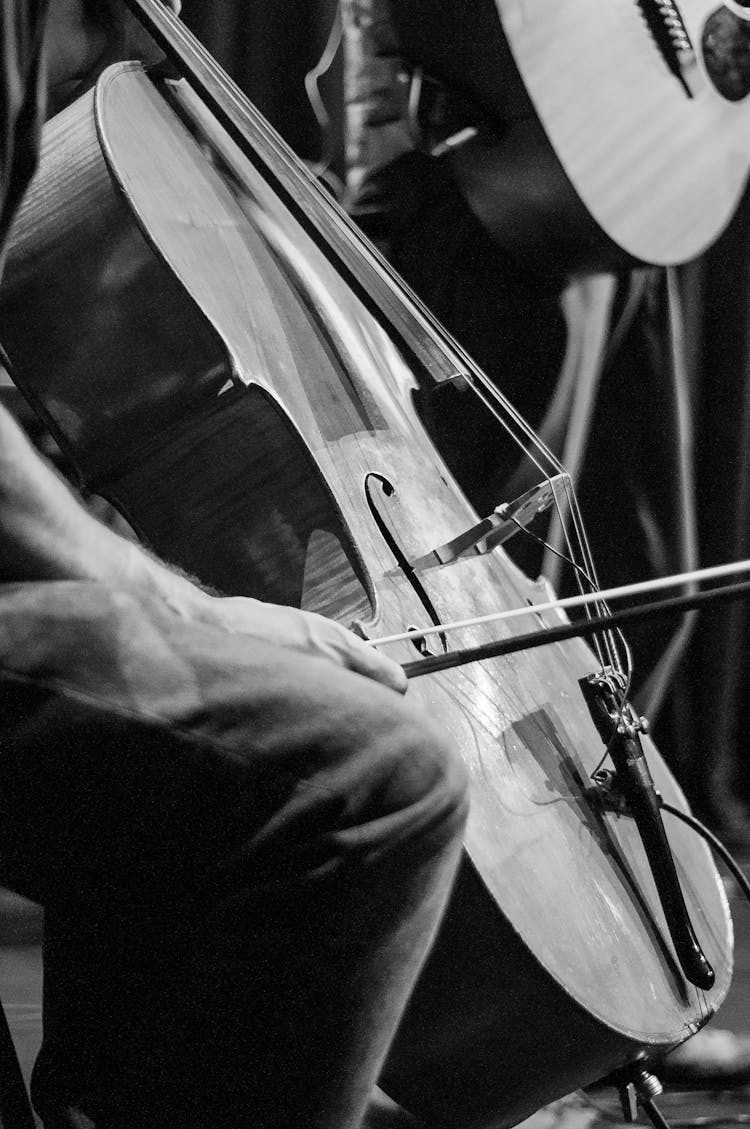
359	656
327	638
306	632
384	670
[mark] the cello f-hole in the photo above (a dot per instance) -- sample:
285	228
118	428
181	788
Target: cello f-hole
388	490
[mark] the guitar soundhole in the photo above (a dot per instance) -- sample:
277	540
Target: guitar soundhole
726	53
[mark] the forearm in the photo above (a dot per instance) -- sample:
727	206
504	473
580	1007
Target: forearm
46	534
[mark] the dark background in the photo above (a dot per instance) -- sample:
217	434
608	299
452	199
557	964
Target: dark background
267	48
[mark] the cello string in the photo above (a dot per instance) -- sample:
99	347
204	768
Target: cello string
491	396
246	119
624	667
510	413
642	588
163	24
243	120
493	399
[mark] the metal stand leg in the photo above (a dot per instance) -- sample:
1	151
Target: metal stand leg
638	1087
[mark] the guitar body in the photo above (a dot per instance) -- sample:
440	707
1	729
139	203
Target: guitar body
617	139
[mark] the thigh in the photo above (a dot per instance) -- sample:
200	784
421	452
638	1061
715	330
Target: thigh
242	855
123	728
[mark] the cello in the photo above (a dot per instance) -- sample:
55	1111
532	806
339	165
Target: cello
251	414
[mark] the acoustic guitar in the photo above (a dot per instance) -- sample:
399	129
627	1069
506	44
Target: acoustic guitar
619	129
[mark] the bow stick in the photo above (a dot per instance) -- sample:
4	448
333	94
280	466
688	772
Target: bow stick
673	606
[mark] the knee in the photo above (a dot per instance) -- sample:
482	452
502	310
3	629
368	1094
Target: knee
427	779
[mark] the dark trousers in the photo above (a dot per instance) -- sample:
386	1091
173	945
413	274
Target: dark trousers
243	855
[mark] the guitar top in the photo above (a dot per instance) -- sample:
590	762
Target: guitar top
645	105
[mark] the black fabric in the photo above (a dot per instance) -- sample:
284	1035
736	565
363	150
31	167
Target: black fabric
21	100
15	1110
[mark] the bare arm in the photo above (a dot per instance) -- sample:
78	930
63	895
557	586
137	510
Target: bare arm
46	534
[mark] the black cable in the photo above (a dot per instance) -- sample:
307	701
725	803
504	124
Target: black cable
715	843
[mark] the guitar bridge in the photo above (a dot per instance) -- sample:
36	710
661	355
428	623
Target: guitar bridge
667	27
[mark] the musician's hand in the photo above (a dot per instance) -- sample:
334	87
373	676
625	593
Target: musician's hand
306	632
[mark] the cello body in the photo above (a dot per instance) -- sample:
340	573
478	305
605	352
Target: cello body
219	380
